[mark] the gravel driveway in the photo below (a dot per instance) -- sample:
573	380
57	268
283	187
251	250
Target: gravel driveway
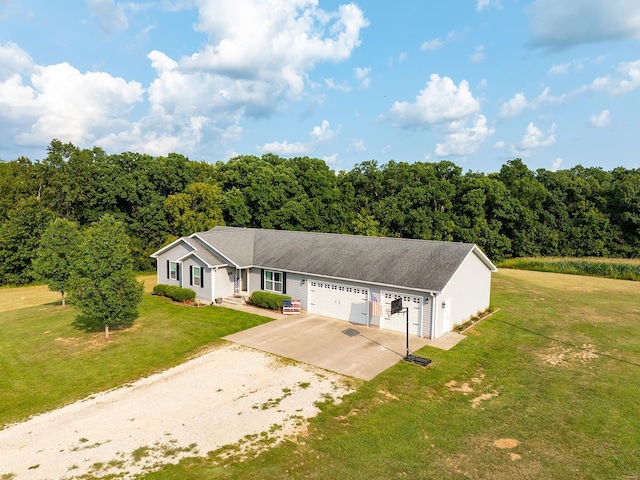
222	397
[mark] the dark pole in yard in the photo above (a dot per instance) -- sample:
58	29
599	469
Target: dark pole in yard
407	312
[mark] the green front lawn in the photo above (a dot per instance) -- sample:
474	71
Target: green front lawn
547	388
46	362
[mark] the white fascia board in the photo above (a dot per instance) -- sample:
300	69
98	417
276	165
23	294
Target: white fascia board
215	250
171	245
480	254
182	258
353	280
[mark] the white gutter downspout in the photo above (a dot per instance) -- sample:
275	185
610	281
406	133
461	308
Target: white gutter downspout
434	315
214	272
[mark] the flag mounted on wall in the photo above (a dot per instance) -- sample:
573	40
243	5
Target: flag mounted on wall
376	307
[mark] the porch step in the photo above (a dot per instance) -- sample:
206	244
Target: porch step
234	300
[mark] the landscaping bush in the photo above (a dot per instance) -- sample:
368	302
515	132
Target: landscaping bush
178	294
160	290
272	301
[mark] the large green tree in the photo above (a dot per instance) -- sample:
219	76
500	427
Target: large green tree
19	239
103	285
57	254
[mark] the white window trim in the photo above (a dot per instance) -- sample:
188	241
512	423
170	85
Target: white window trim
197	283
173	270
274	283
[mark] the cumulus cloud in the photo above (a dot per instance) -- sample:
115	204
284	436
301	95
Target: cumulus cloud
45	102
555	164
534	139
601	119
519	103
341	87
467	140
110	15
441	102
557	25
564	68
319	134
626	80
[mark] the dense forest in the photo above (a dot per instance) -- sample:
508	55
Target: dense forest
511	213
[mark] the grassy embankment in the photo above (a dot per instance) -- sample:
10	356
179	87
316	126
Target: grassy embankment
46	362
546	388
619	268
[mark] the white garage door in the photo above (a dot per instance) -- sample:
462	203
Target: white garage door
398	321
339	301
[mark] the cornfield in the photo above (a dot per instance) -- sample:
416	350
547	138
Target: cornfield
618	268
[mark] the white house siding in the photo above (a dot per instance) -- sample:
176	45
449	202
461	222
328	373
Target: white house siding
255	279
178	250
224	281
202	292
296	289
467	293
425	330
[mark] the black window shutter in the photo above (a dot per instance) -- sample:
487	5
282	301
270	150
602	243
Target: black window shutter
168	269
177	271
190	274
262	279
201	277
284	283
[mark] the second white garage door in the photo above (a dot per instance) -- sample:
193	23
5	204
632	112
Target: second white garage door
339	301
398	321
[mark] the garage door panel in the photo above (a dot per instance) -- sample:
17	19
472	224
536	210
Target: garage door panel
335	300
398	321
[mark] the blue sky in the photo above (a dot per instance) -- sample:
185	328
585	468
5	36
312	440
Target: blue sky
477	82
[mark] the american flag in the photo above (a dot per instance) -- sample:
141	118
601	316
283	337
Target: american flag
376	307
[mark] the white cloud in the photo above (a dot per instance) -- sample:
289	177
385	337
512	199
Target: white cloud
437	43
14	60
534	139
555	165
358	145
273	41
478	55
110	15
499	144
601	119
387	149
556	25
564	68
333	158
341	87
58	101
441	102
362	74
626	80
519	103
467	140
402	57
485	4
319	135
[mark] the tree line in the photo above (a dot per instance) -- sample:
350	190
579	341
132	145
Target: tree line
515	212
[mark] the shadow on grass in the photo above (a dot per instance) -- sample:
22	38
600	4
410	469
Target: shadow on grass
88	324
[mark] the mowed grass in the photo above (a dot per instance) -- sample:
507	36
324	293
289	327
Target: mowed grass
45	362
546	388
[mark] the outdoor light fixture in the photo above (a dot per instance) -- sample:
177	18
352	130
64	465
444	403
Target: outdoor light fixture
304	280
444	304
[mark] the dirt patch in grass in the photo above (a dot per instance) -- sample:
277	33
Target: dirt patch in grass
503	443
560	355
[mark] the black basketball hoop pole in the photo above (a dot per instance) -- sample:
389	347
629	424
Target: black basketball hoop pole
396	307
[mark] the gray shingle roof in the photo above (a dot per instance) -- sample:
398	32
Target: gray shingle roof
205	253
421	264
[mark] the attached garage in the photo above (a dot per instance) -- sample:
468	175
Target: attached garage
398	321
339	301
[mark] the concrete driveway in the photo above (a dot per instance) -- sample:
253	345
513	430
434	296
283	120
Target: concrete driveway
335	345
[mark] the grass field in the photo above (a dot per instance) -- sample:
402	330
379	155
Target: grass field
46	362
546	388
618	268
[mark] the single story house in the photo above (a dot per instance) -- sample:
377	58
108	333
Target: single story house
353	278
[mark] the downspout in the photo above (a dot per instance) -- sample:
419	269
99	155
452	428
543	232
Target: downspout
434	315
214	272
